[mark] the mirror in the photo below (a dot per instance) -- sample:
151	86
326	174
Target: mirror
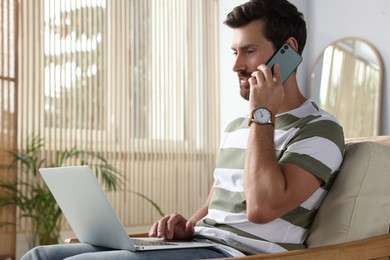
346	81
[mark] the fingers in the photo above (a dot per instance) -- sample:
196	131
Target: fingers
162	227
165	227
259	76
277	73
153	230
265	74
189	227
266	89
173	220
158	229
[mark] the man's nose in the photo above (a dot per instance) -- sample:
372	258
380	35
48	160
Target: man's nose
239	64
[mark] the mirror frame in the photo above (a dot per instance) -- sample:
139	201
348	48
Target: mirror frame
376	128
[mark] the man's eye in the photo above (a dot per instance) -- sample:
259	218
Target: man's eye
234	53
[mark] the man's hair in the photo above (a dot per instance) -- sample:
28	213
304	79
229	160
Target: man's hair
281	19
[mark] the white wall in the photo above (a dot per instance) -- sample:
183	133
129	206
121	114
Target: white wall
327	21
232	105
330	20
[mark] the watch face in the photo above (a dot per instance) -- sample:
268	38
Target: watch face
262	116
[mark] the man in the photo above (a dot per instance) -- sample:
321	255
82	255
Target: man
271	176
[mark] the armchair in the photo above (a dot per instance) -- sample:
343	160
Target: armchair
353	221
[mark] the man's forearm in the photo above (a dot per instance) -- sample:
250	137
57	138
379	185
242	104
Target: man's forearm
263	178
272	189
202	212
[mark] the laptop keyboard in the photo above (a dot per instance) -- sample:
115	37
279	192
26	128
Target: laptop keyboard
142	242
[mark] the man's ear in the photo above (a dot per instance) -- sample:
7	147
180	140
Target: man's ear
293	43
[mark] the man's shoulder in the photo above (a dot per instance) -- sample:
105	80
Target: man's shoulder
237	124
307	113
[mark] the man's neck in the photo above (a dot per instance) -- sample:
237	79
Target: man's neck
293	97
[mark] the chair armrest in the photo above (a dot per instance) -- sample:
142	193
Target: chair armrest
71	240
371	248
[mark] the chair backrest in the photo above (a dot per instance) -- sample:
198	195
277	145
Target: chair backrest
358	204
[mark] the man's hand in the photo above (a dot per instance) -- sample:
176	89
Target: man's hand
266	89
173	226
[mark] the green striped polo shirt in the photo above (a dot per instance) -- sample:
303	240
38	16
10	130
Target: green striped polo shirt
308	137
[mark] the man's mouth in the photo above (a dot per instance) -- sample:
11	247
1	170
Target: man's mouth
243	77
243	80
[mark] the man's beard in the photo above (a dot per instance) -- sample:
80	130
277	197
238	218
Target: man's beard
244	86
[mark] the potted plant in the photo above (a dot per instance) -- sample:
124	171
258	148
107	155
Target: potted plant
34	200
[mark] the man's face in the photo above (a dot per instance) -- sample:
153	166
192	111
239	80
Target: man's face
251	49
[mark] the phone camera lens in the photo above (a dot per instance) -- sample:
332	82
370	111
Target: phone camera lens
285	47
282	51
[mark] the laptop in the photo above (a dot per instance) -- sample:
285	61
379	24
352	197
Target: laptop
90	214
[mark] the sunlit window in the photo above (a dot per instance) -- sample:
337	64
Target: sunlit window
74	63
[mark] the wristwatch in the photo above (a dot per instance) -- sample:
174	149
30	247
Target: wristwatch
261	116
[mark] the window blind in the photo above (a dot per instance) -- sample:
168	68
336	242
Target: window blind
8	91
135	80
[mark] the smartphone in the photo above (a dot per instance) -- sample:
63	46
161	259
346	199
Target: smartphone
287	58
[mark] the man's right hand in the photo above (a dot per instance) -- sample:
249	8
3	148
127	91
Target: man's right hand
173	226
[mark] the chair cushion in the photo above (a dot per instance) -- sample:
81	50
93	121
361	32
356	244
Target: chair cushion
358	204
